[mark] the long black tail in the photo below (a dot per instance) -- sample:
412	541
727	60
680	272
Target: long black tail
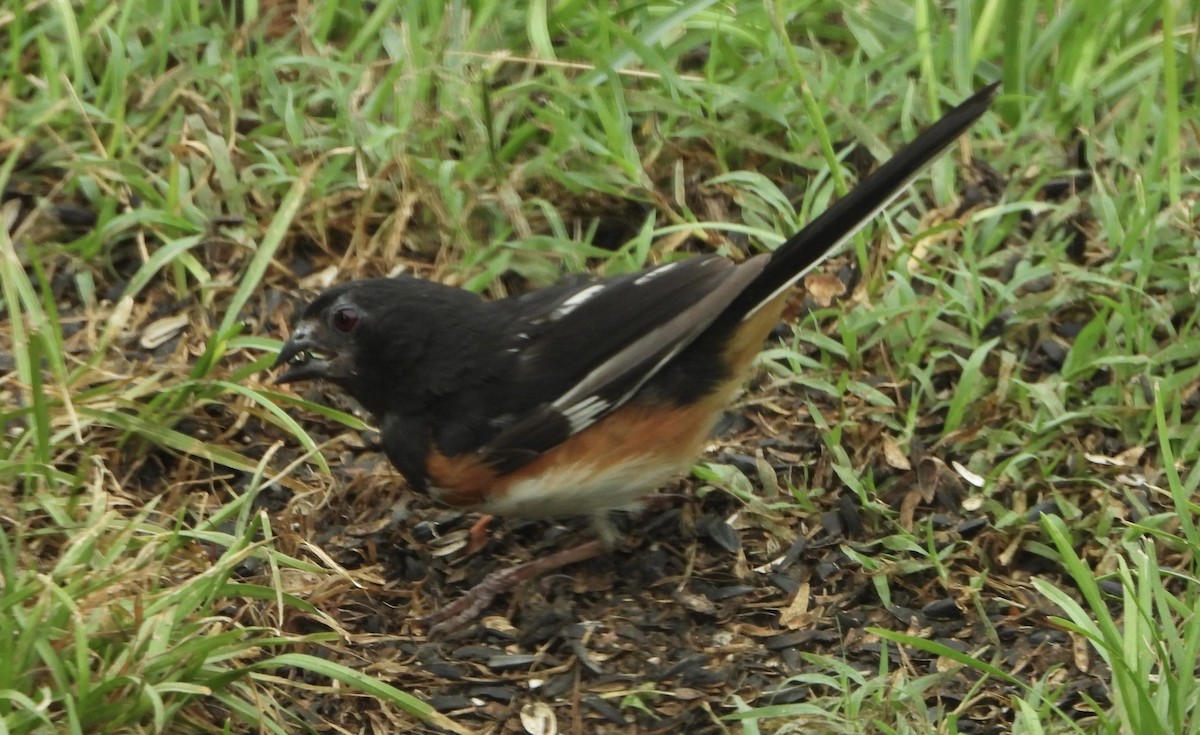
848	215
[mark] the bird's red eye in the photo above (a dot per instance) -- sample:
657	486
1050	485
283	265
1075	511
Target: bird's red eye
345	319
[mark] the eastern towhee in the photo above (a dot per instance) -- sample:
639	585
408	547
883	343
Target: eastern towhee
582	397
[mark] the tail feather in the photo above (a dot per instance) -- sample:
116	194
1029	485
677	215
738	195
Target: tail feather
848	215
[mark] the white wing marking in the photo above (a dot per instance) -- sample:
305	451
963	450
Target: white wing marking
576	301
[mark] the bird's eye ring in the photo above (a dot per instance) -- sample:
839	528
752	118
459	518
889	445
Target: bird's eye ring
345	319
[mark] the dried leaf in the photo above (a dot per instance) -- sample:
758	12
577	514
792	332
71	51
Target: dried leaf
161	331
1127	458
1131	456
695	603
908	509
117	320
500	624
894	455
967	475
450	543
824	288
369	527
796	615
538	719
929	472
687	693
767	476
757	631
1081	652
1136	480
320	280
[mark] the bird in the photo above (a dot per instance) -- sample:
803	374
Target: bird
578	398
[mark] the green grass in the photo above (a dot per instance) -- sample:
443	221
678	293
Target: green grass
191	162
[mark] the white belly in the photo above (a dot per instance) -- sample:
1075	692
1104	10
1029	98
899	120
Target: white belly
582	490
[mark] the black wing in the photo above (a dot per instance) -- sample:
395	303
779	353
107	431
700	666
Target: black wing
583	349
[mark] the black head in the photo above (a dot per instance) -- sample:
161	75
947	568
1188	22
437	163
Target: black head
382	338
323	340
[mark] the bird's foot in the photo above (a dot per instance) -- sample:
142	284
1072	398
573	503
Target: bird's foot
474	601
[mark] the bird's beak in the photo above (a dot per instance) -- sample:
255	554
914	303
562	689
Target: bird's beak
304	357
